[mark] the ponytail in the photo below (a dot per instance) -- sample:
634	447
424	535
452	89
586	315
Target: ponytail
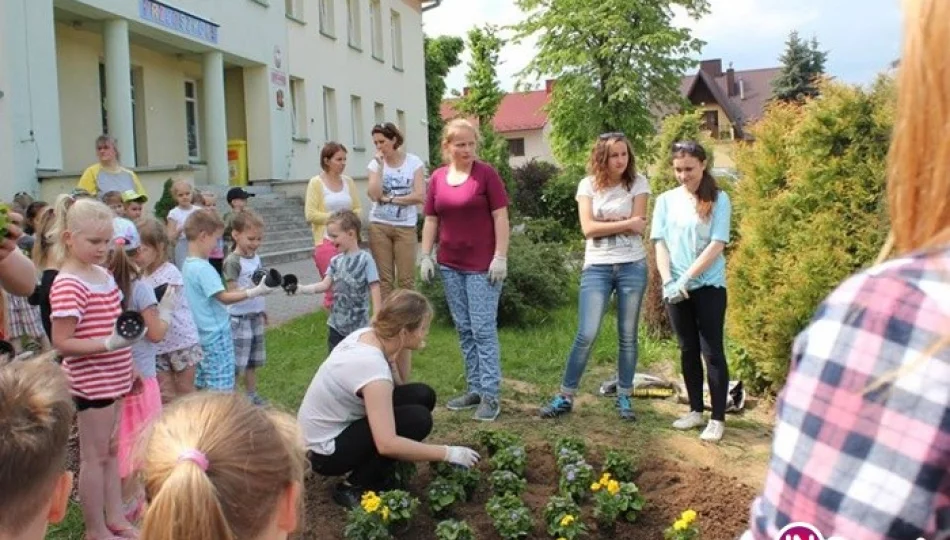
124	272
403	310
706	195
42	252
186	507
58	249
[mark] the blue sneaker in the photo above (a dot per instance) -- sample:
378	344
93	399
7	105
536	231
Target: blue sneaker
625	407
256	399
560	405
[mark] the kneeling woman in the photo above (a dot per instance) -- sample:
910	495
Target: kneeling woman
360	415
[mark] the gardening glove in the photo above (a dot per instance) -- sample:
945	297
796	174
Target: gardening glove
427	268
115	341
682	284
260	289
671	294
498	269
460	455
313	288
168	303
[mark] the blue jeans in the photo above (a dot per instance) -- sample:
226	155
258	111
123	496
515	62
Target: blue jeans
598	281
473	302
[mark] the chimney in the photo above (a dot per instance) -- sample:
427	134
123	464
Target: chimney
730	81
549	85
712	68
741	89
466	90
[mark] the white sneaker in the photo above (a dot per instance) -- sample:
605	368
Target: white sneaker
713	431
692	420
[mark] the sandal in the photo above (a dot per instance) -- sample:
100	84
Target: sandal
129	532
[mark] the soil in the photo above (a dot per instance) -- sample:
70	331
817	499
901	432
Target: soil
670	487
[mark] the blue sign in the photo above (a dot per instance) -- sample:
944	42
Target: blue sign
176	19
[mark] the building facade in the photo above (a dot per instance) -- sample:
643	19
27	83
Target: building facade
176	81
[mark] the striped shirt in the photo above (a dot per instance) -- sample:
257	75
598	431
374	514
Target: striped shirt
95	306
851	458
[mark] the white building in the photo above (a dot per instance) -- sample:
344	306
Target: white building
175	80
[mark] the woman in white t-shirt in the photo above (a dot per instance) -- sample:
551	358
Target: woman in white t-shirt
360	413
612	206
328	192
396	187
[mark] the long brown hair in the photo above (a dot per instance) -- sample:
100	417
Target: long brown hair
251	456
708	191
600	156
123	271
42	252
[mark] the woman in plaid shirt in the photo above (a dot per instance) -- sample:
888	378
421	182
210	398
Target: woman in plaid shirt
862	444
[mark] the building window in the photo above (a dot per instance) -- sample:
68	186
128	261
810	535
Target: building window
376	20
136	120
326	18
298	103
191	120
354	24
356	120
379	113
329	114
396	35
516	147
401	122
294	9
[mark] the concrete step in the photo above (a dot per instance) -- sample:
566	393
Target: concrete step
289	255
297	226
274	245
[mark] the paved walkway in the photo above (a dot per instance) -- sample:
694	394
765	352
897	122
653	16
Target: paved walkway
281	307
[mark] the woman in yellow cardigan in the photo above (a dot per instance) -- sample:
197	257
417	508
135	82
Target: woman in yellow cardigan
329	192
107	175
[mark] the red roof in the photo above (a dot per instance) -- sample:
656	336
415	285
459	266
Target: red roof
518	111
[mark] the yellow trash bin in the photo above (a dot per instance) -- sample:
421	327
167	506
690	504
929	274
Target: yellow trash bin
237	163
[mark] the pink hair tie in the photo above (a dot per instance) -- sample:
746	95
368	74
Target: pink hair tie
195	456
120	241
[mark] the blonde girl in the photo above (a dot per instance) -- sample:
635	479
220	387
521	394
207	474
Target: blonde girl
145	403
175	222
179	352
861	443
86	302
45	263
217	466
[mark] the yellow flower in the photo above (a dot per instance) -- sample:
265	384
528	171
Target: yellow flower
689	516
369	495
595	486
371	505
613	487
680	525
605	478
567	520
561	538
385	513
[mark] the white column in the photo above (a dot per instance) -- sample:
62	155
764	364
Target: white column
119	88
214	118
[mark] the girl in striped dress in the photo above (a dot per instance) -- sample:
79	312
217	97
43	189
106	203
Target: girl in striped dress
85	303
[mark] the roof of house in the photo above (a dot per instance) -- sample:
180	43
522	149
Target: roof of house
525	110
517	111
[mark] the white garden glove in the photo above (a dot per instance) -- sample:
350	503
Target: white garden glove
115	342
260	289
460	455
498	269
168	303
671	293
313	288
427	268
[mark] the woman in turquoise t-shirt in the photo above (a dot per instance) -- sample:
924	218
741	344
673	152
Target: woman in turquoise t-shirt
690	230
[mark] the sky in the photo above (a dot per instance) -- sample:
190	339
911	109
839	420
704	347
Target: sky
862	37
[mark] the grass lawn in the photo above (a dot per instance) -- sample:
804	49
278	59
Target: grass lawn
533	361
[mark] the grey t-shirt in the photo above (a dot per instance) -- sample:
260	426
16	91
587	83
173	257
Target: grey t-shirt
143	350
352	274
120	181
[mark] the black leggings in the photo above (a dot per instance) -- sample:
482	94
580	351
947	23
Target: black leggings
698	322
355	451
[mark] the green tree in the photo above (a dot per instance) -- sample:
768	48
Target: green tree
616	62
802	64
441	55
484	91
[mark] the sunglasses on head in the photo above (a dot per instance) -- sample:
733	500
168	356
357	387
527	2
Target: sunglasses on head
611	135
689	147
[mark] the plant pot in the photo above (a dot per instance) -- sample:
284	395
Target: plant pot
130	325
289	283
7	352
273	278
160	291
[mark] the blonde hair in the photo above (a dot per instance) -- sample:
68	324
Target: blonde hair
36	414
403	310
152	234
202	221
452	130
253	455
42	252
347	221
111	197
73	214
246	219
178	182
919	161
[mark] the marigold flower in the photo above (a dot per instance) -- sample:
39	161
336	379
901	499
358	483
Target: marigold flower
385	513
605	478
371	504
680	525
567	520
689	516
595	486
613	487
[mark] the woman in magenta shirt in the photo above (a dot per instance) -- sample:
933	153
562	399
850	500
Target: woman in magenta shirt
468	206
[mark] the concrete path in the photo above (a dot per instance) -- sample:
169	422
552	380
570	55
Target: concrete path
281	307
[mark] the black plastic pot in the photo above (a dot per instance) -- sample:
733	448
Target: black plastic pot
289	283
273	278
130	324
160	291
6	350
258	275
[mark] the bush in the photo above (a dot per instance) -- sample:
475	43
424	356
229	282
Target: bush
530	180
812	198
538	282
493	149
558	198
166	202
548	230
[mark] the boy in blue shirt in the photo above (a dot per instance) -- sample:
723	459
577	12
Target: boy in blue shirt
207	298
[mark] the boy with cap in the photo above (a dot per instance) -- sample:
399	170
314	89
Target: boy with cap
134	203
237	200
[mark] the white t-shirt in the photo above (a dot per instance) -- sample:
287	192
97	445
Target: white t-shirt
182	333
397	182
331	403
614	203
179	215
334	201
